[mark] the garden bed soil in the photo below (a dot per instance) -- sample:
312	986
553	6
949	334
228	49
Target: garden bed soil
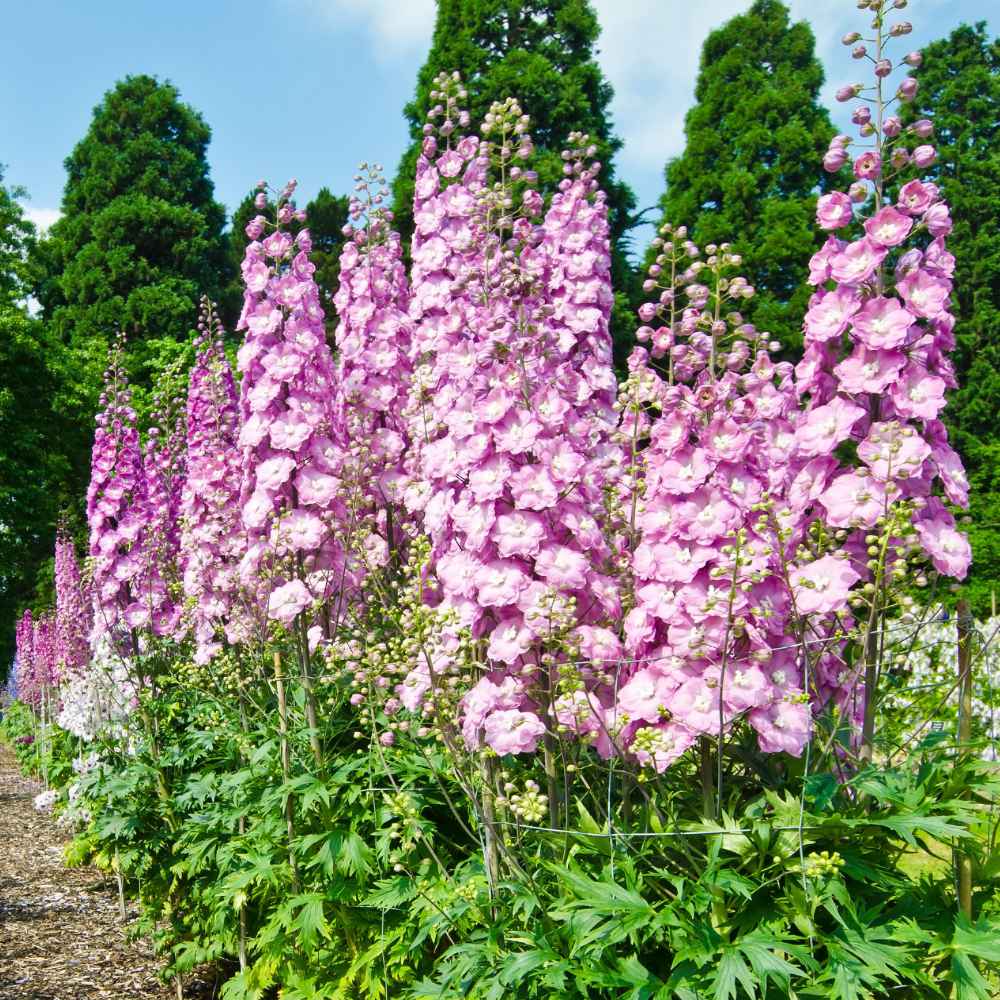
61	934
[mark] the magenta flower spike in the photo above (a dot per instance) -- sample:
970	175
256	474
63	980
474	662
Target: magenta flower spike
115	515
290	432
212	535
74	611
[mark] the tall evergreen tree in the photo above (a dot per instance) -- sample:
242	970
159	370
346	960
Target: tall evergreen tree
960	92
32	464
541	52
139	240
751	169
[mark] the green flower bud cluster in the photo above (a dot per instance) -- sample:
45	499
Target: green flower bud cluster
530	805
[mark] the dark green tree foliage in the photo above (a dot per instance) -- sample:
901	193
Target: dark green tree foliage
750	169
32	466
541	52
960	92
326	216
140	239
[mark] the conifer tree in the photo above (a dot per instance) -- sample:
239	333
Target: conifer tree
139	240
750	170
32	462
542	52
960	93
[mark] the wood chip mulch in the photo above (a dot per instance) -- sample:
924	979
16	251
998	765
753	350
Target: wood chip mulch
61	934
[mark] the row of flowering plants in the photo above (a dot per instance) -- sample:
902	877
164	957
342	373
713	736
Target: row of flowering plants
441	662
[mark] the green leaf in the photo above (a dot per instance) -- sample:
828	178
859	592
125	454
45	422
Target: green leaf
969	983
733	969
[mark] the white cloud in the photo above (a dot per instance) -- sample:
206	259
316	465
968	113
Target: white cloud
41	217
396	27
649	50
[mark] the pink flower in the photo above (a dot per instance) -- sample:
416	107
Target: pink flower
290	432
937	219
500	582
287	601
853	501
532	488
599	645
487	482
273	473
869	371
819	263
301	531
924	293
915	197
783	727
509	641
695	704
518	534
457	573
948	548
888	227
316	488
647	695
485	697
834	211
666	746
829	315
512	731
278	244
707	515
823	586
857	262
561	566
882	323
919	395
826	426
684	472
867	166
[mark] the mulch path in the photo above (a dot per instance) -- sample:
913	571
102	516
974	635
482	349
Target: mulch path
61	934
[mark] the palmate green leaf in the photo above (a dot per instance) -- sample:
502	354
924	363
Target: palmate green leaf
940	827
732	970
760	950
391	893
337	850
309	919
981	939
968	981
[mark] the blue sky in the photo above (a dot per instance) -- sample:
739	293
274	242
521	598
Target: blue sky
307	88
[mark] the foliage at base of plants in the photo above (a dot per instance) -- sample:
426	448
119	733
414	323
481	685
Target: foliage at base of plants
811	886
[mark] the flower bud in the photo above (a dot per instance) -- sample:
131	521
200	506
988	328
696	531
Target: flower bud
892	126
849	92
861	115
908	89
834	159
883	67
859	52
923	128
899	159
898	30
924	156
850	38
913	59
